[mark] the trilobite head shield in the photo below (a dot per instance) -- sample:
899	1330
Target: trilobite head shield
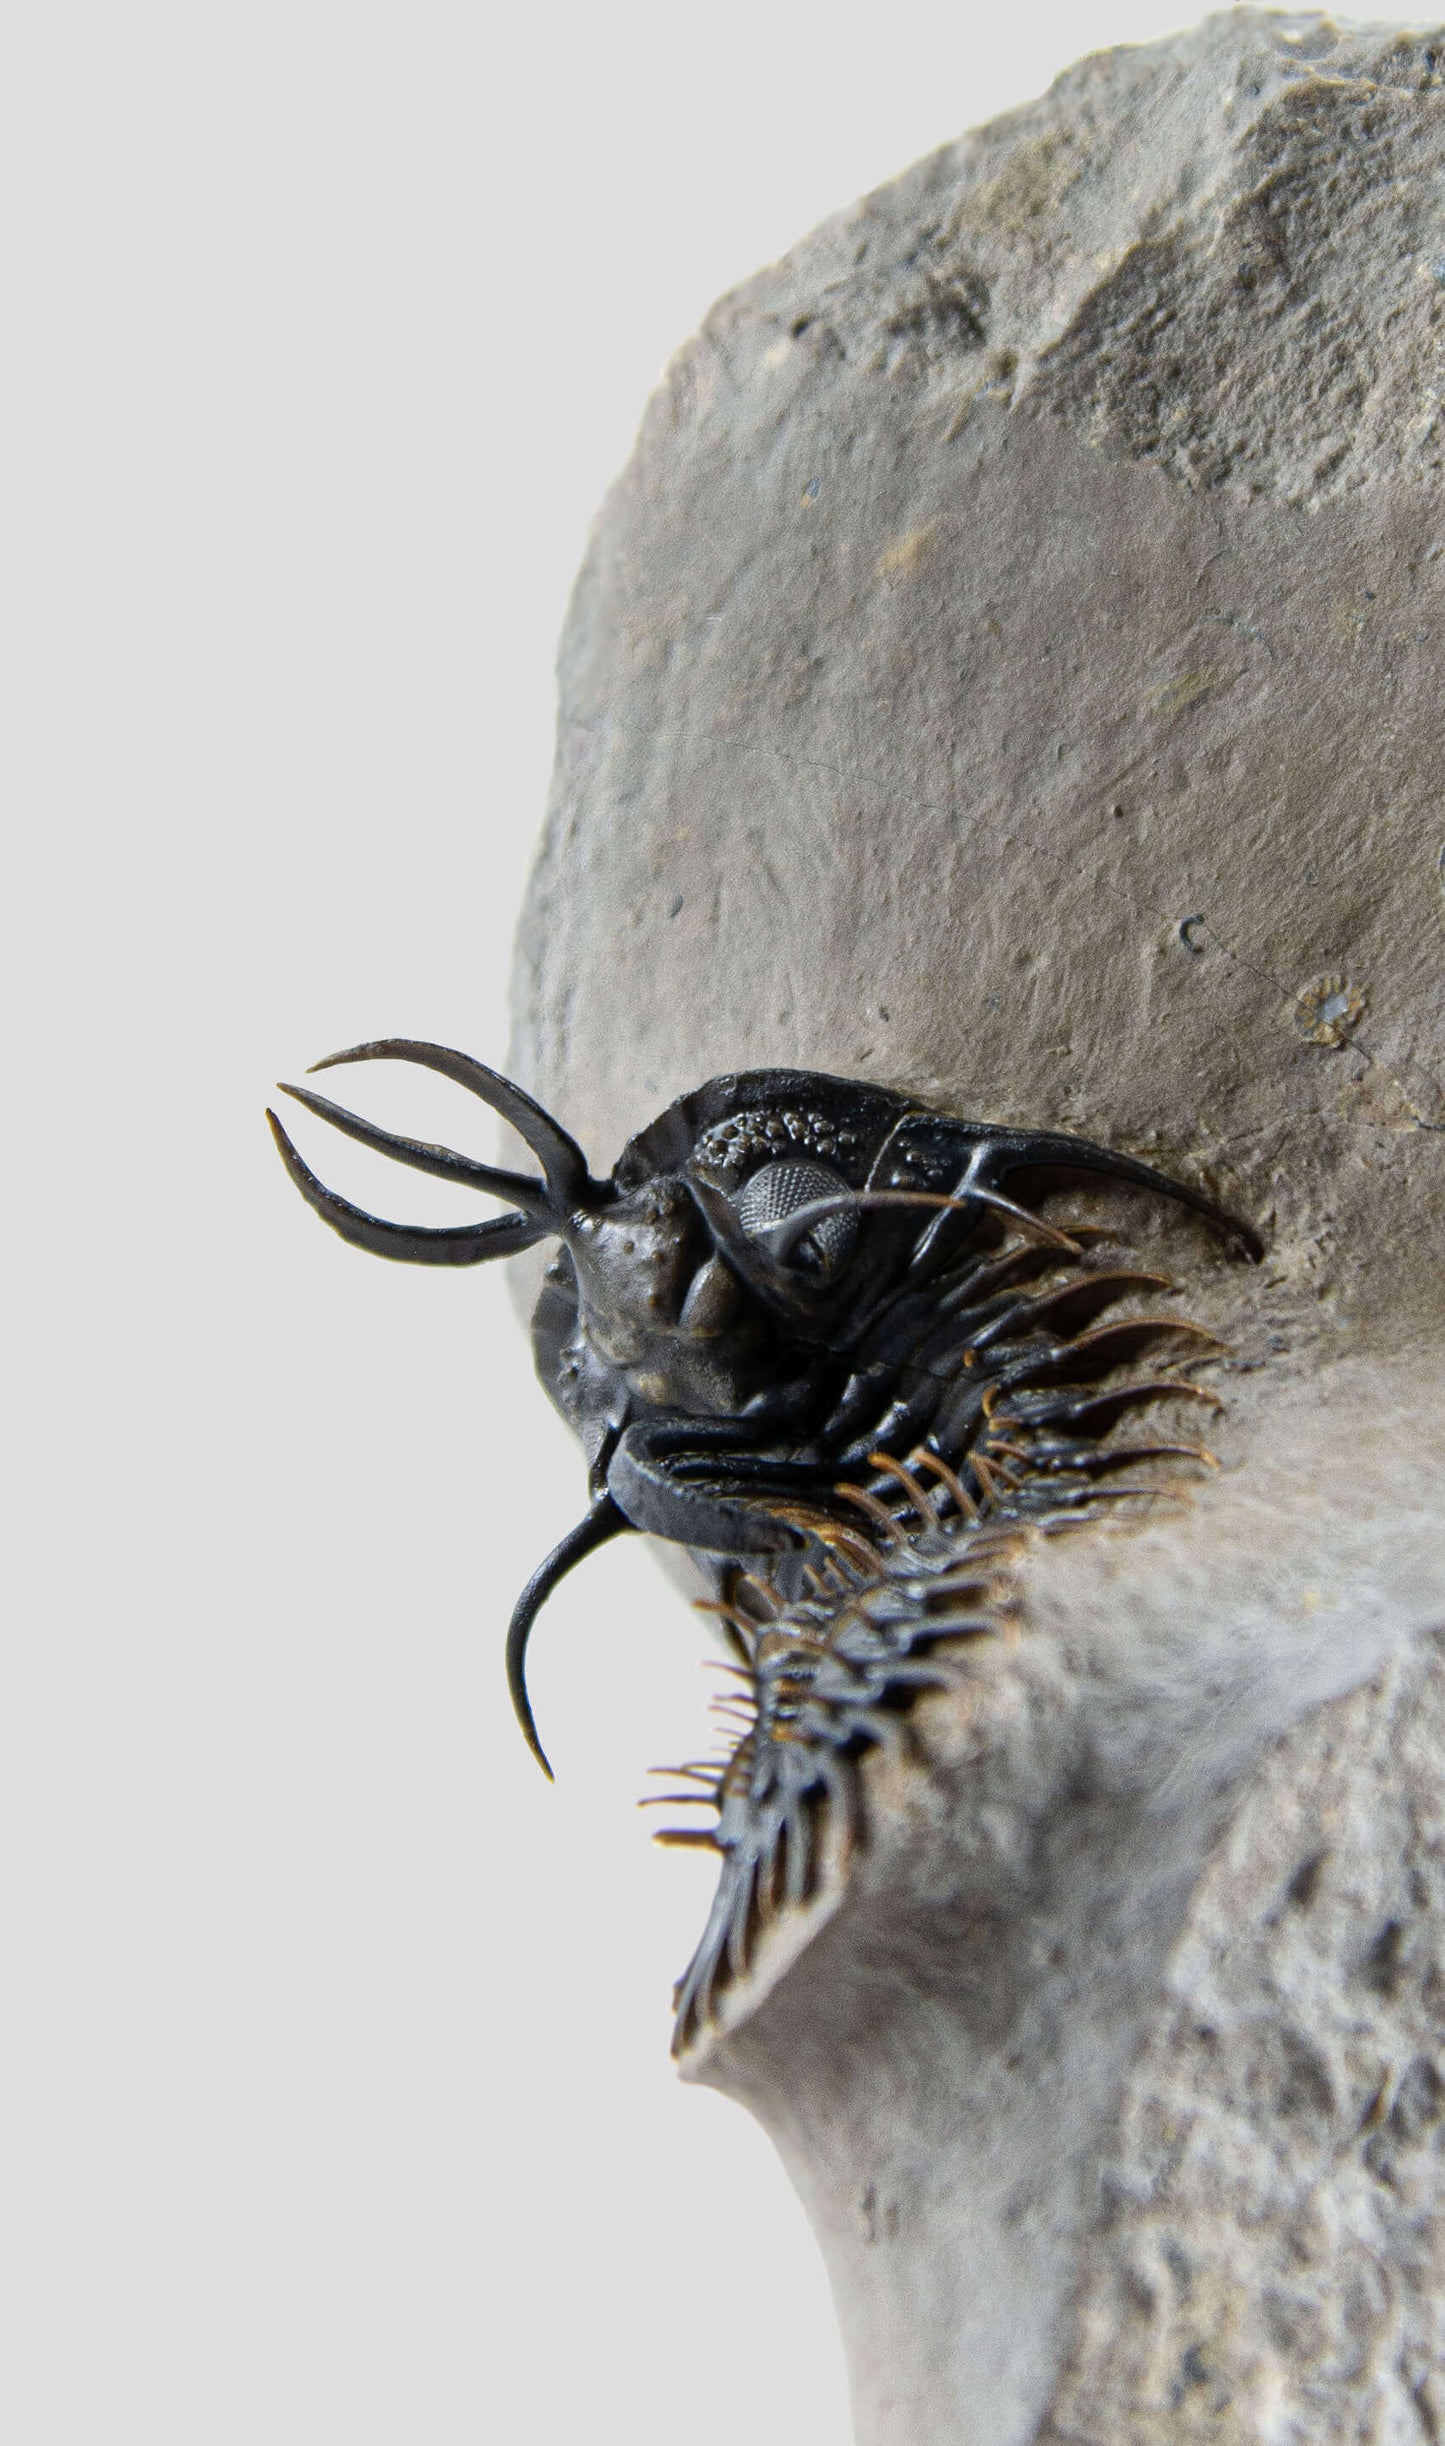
766	1290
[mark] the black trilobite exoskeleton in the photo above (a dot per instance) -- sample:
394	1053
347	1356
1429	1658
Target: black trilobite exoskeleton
786	1280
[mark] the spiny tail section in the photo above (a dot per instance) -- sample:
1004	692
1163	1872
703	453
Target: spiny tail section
832	1675
907	1564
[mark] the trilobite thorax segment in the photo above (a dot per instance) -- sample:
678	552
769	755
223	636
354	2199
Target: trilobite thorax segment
785	1276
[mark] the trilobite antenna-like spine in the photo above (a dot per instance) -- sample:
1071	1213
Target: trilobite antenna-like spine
783	1276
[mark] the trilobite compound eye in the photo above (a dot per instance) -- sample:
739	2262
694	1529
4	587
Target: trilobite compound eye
779	1190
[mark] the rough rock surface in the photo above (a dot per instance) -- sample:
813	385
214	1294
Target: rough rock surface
1270	2261
1013	668
930	710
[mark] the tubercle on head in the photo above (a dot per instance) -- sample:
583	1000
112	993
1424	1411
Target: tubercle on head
763	1240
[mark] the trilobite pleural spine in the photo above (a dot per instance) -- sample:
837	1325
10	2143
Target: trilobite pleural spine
787	1286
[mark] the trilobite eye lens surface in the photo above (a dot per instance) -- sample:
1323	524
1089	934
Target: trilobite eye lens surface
780	1189
688	1329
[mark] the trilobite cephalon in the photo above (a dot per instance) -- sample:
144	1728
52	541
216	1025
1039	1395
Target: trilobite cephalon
819	1333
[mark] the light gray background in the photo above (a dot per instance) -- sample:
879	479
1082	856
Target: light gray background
333	2047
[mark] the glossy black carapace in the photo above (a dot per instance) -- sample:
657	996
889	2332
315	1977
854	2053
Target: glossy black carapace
783	1276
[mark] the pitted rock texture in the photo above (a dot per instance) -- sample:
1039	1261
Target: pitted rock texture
1270	2263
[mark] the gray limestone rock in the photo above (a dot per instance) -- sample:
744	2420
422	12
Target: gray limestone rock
1011	668
1268	2259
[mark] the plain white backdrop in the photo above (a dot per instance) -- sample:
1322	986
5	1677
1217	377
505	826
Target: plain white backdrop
334	2080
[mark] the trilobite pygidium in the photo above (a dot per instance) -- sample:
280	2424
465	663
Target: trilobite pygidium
793	1299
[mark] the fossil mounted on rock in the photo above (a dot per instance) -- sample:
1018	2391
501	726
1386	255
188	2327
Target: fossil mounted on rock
786	1290
1005	690
1010	671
